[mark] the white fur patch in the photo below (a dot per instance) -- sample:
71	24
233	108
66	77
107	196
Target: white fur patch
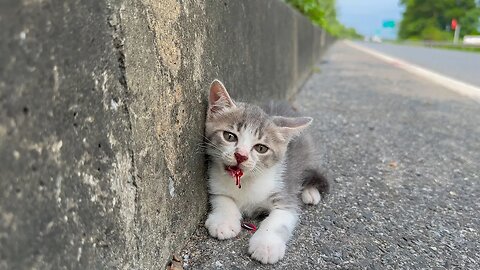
267	247
246	140
311	195
224	220
221	227
268	244
254	191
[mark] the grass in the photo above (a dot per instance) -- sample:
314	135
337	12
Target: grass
459	48
445	46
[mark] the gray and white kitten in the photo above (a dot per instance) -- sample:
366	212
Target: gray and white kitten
274	157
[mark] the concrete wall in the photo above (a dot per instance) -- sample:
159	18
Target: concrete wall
101	119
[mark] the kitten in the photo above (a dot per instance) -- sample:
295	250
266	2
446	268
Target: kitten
259	162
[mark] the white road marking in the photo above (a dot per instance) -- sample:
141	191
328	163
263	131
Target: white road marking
460	87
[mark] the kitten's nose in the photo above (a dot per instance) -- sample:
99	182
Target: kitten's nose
240	158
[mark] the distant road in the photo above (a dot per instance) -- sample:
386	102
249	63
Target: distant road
463	66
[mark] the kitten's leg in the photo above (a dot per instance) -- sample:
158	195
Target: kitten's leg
315	183
223	222
311	195
269	242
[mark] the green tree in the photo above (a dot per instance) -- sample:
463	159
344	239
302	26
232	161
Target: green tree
430	20
324	14
470	22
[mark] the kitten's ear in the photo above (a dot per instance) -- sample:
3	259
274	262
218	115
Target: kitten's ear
292	126
219	99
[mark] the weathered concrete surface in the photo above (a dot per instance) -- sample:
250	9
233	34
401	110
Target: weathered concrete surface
402	155
67	195
101	117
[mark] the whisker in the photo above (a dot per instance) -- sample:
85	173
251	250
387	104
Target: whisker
260	169
257	170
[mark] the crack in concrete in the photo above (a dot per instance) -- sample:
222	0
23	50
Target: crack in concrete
115	23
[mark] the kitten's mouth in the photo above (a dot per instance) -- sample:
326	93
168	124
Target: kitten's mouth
236	173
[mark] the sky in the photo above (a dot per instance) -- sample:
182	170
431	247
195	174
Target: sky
367	16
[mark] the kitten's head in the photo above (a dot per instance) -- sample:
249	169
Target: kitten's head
243	135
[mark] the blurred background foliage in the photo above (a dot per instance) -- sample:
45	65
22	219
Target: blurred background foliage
324	14
431	20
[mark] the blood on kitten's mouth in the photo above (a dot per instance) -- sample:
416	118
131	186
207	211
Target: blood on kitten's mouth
236	173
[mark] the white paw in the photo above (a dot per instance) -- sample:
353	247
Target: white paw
222	227
266	247
310	195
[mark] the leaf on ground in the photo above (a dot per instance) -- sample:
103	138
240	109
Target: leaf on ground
393	164
316	69
176	264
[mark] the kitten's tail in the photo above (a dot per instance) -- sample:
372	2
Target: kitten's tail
314	178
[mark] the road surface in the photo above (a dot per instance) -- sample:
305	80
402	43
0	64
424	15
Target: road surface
460	65
403	157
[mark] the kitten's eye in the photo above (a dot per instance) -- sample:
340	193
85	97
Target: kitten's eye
229	137
260	148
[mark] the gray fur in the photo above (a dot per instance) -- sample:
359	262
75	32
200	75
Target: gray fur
301	165
274	154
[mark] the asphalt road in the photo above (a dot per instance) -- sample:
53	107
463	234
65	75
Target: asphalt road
403	158
463	66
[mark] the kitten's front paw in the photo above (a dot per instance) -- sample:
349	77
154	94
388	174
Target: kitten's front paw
266	247
222	227
310	195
